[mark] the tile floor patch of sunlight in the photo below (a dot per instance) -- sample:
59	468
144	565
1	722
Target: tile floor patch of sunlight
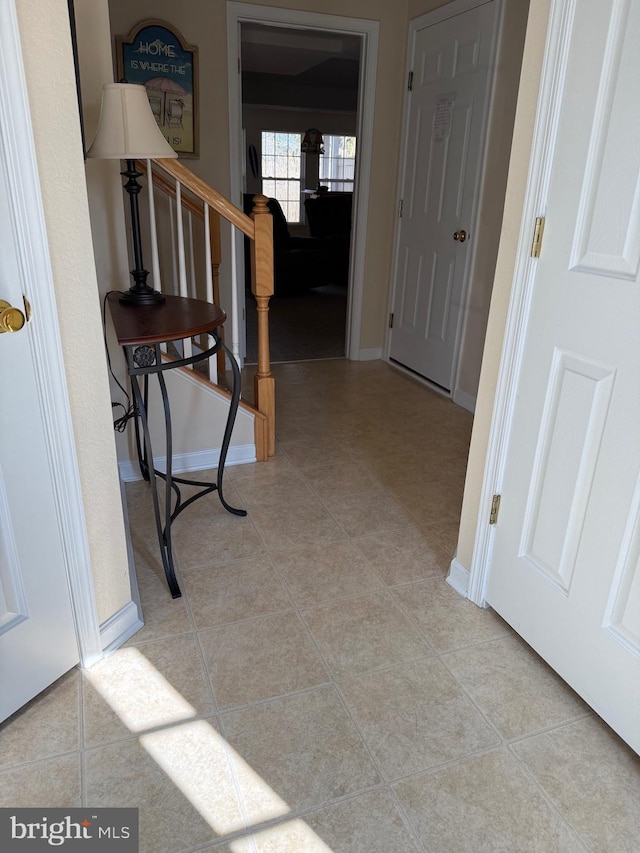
293	836
135	690
195	756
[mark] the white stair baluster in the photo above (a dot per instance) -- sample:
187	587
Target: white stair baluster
193	284
174	260
182	265
153	231
207	255
234	346
213	370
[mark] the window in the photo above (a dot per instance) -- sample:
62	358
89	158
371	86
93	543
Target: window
282	170
338	163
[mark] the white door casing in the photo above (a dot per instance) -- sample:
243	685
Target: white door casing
563	563
48	619
368	30
451	62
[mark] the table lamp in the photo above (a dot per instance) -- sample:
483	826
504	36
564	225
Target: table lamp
127	130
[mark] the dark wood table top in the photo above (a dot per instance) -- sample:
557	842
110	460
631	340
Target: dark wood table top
175	318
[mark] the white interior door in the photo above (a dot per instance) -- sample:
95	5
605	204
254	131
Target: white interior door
37	629
565	570
37	634
452	64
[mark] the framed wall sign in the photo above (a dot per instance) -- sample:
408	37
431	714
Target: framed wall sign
155	55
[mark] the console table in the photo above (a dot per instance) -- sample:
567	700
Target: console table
140	330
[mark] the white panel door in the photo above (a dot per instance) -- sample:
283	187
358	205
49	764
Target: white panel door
452	72
565	570
37	634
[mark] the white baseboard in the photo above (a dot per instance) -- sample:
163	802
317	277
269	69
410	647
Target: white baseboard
197	460
370	354
120	627
467	401
133	579
458	578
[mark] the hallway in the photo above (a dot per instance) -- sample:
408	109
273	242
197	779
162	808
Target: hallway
319	687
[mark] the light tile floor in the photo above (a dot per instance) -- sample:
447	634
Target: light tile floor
319	687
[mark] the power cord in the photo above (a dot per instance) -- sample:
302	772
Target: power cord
129	411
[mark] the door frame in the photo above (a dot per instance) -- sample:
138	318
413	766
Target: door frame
554	67
451	10
238	13
18	157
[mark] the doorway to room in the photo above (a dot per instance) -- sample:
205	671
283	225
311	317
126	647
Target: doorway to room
304	76
299	118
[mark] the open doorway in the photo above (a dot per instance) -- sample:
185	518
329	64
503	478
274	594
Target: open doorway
300	119
303	73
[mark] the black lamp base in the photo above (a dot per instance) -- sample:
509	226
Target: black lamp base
143	296
139	293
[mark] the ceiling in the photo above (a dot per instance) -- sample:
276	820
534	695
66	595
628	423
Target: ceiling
307	57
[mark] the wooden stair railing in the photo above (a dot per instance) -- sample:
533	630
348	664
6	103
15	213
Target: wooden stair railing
190	197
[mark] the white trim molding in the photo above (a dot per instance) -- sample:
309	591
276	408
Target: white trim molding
120	627
458	577
372	354
196	460
24	187
466	401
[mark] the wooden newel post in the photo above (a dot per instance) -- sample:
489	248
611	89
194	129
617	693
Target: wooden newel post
262	288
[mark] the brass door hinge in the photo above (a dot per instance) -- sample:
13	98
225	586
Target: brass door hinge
538	231
410	81
495	509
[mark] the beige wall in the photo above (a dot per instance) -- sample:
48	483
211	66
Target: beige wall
104	184
203	23
110	235
103	180
46	45
516	185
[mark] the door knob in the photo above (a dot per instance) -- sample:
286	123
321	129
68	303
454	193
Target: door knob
11	319
460	236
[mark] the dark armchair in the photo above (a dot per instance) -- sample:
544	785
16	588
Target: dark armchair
329	219
299	262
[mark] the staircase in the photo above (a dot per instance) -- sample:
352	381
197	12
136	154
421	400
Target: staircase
185	216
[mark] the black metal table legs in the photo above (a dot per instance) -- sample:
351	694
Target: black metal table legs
146	361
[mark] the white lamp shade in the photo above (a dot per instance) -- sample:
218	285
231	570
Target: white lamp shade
127	129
